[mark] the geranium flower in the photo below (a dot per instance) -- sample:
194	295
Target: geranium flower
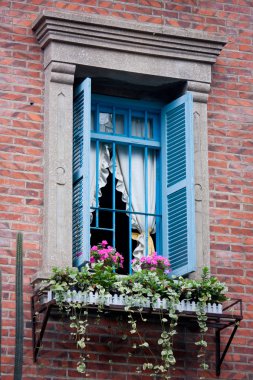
152	262
106	254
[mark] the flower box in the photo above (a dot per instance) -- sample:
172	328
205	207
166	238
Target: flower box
148	290
91	298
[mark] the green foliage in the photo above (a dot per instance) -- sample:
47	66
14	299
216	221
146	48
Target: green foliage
103	277
208	288
19	310
136	290
86	279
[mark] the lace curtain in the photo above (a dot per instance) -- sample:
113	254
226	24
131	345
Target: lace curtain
145	225
102	156
138	221
103	172
141	174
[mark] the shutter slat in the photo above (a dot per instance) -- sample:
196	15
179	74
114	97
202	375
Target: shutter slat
178	178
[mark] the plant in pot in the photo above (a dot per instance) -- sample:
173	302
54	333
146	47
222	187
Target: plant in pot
106	255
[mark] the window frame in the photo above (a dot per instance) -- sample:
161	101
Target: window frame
177	198
128	106
139	54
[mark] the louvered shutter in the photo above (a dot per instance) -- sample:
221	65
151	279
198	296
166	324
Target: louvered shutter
178	185
81	184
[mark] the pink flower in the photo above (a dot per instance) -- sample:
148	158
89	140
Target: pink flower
152	262
102	253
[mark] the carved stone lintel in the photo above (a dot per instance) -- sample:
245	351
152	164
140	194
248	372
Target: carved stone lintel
111	33
109	44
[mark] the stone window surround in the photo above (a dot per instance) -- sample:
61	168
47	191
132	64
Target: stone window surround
143	52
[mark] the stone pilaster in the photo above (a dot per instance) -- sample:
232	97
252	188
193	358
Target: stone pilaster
200	96
57	242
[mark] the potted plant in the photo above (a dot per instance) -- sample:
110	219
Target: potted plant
104	253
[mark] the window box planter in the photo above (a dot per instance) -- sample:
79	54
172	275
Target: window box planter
43	302
147	293
91	298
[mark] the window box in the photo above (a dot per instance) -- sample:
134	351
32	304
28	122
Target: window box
111	300
218	317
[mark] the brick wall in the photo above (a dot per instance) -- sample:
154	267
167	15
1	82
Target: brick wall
230	128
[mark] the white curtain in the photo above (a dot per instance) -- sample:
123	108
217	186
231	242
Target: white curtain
103	159
144	226
137	170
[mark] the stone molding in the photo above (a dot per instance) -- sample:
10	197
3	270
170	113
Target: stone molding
113	34
142	52
121	46
62	73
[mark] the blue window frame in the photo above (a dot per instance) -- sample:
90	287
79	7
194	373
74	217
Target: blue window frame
141	152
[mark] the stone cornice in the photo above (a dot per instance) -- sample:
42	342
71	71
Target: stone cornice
114	34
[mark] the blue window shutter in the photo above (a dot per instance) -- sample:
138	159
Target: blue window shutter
178	185
81	164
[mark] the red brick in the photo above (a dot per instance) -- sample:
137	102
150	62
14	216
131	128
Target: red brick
230	168
151	3
133	9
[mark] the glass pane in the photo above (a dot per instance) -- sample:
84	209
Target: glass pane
105	219
120	130
150	127
98	235
138	180
105	122
138	126
151	181
123	182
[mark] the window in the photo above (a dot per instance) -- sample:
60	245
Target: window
133	177
144	55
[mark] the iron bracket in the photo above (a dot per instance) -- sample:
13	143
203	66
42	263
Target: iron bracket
235	323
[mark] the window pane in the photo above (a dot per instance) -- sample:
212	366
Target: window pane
120	127
102	219
150	128
98	235
105	122
138	126
138	179
140	129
